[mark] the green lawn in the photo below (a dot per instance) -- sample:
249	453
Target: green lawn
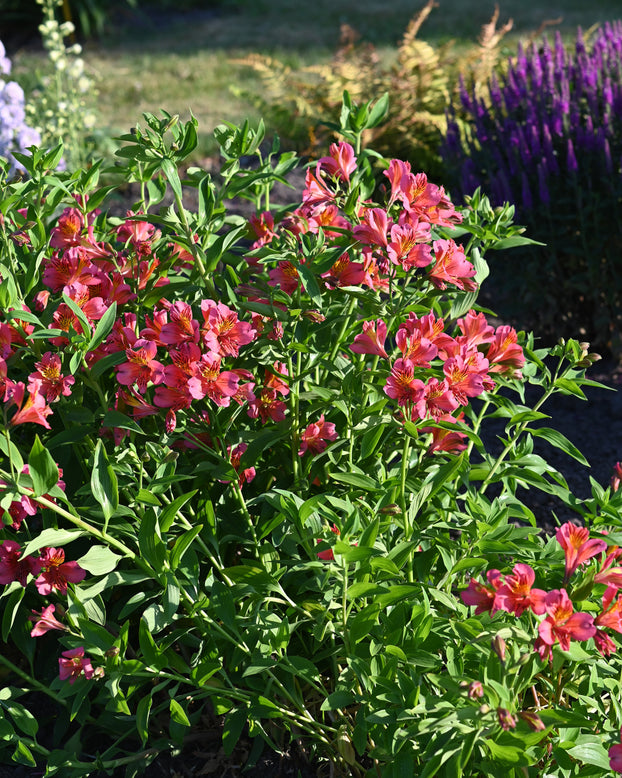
186	64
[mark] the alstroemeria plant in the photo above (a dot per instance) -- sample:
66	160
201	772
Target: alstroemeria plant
279	498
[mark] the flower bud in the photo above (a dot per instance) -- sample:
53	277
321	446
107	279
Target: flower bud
506	720
532	720
498	646
476	690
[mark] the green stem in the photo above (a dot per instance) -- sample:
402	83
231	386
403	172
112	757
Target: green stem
519	431
403	473
344	327
99	534
294	404
33	681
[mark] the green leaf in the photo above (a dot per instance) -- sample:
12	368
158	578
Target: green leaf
147	498
339	699
182	545
513	241
96	635
51	537
42	468
23	755
10	608
557	439
178	714
591	753
378	112
361	625
106	363
370	440
507	754
104	327
121	421
99	560
104	482
143	710
170	171
356	479
148	647
169	514
232	729
569	387
310	284
9	449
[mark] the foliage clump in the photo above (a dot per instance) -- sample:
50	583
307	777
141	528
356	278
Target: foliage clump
547	136
245	471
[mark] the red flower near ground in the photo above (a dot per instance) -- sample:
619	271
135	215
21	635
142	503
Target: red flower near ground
328	555
56	572
72	665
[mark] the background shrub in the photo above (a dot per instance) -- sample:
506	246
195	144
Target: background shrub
548	138
419	82
15	133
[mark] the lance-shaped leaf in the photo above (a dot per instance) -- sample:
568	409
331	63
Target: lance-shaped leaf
104	482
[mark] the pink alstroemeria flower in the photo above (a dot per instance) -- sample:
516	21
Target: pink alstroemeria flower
615	756
314	438
72	665
56	572
451	266
562	624
480	595
12	568
577	546
45	621
515	594
371	340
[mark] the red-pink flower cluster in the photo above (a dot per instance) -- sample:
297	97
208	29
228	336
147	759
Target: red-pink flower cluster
515	594
398	236
467	361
